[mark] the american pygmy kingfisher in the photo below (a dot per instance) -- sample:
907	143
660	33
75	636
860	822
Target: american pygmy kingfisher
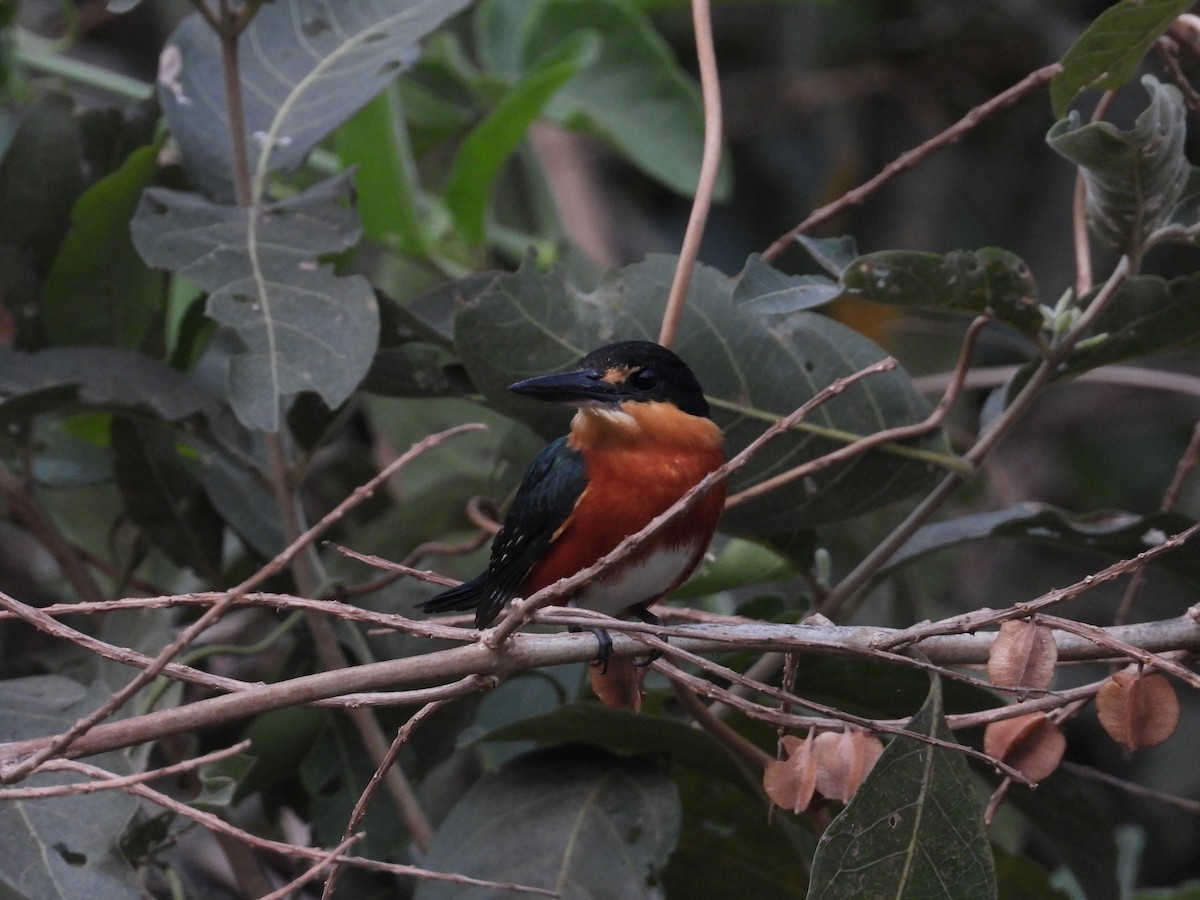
641	438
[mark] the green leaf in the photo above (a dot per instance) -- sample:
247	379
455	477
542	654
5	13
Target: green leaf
767	290
98	377
831	254
914	829
1075	829
62	848
302	327
375	142
569	818
1147	315
334	772
41	176
486	149
163	495
635	95
1108	53
1110	534
625	732
739	563
1134	178
304	71
989	281
98	290
754	368
728	848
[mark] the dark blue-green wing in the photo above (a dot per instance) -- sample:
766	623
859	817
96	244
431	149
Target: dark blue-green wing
547	495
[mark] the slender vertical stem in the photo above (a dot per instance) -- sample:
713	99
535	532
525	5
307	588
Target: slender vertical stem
710	168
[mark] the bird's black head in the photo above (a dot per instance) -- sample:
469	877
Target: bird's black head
627	370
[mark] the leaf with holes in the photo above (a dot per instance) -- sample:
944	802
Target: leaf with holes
305	69
989	281
63	847
1134	178
302	327
914	829
754	367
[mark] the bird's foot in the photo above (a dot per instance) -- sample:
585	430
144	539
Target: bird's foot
649	618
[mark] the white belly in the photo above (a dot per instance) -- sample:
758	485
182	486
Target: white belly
636	584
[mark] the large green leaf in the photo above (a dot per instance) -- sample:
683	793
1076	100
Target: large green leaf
571	818
989	281
104	377
754	367
98	290
305	69
1077	830
163	495
1134	178
1108	53
302	327
915	827
41	176
1110	534
62	848
485	150
634	95
1147	315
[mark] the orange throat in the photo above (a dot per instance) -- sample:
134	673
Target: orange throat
640	459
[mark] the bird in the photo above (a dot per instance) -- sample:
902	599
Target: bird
641	437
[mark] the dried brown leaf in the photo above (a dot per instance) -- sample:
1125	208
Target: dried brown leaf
1032	744
1138	710
1023	655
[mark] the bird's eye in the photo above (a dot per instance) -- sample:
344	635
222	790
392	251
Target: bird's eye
644	379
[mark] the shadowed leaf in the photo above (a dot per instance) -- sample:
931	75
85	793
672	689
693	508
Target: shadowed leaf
914	829
1134	178
571	818
64	847
989	281
305	69
302	327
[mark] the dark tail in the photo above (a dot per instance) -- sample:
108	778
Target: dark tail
467	595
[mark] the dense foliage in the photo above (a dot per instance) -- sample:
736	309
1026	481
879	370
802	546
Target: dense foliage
324	236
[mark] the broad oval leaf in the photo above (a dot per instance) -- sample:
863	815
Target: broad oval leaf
302	327
1108	53
306	66
572	819
62	847
754	368
1146	315
914	829
988	281
1134	178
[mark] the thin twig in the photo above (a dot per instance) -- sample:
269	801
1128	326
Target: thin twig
116	781
888	435
710	168
360	806
865	570
189	634
907	160
218	825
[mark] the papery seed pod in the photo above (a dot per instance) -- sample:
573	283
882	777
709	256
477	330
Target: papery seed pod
1138	710
1032	744
1023	655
